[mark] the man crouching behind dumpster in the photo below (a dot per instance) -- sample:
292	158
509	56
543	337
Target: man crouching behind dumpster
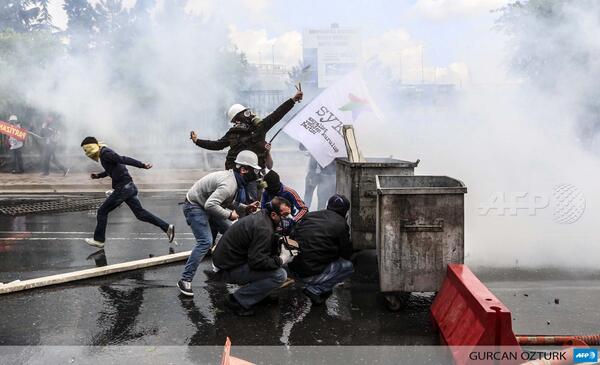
249	254
210	207
324	244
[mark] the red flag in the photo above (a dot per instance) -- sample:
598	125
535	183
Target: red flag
13	131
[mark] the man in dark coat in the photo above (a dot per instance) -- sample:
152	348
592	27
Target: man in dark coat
250	254
324	249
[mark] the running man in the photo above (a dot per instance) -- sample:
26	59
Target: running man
125	190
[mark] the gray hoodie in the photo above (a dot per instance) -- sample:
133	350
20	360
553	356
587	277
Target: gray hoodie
216	193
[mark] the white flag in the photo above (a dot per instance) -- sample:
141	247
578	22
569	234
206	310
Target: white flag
319	125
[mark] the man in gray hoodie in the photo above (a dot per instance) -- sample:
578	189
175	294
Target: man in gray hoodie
212	204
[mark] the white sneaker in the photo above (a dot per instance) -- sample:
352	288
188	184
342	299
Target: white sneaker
171	233
93	242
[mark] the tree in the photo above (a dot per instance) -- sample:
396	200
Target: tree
554	46
534	30
111	16
44	19
23	58
18	15
81	25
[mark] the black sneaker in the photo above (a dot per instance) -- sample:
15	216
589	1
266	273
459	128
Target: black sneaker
171	232
212	276
237	308
315	298
185	287
272	298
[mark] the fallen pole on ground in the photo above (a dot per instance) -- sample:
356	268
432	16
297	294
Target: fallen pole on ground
92	273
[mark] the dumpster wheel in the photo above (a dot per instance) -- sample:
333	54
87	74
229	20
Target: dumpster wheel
396	301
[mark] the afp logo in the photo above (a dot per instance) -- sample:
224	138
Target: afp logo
585	355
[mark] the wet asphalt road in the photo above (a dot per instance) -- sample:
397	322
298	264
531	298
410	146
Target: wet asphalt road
144	307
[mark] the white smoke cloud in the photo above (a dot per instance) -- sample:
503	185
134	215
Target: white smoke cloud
497	136
404	56
260	48
452	9
506	138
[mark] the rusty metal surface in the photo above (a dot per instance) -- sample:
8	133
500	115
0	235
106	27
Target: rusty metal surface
418	235
356	180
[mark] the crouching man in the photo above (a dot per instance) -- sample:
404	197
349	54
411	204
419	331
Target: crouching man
250	254
324	244
210	207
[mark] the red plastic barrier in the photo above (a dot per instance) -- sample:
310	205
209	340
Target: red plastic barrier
467	314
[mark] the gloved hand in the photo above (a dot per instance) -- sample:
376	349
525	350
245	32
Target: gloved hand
286	255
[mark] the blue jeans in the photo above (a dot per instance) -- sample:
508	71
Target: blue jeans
257	284
334	273
128	195
205	229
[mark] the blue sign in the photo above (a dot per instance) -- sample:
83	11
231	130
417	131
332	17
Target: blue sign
585	355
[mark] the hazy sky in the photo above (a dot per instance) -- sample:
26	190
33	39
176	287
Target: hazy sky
456	35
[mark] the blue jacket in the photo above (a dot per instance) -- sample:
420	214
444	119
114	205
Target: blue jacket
299	209
114	166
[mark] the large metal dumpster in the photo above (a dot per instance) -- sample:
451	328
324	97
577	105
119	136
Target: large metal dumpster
356	180
420	230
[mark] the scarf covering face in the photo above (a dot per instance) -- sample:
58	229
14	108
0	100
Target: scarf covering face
92	150
242	195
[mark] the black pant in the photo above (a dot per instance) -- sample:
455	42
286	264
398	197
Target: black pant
17	160
128	195
325	186
48	157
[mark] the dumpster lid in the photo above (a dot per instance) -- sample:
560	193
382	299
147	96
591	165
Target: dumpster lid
395	184
378	162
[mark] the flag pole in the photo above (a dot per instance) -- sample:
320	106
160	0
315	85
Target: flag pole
298	87
286	123
33	134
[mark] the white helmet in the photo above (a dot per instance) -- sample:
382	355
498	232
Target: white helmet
247	158
13	118
235	110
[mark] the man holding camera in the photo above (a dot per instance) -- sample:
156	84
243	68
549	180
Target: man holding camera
250	254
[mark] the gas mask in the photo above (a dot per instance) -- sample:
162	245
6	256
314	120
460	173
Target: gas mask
247	119
286	225
252	175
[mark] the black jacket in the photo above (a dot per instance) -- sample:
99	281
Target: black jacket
247	137
323	237
114	166
251	240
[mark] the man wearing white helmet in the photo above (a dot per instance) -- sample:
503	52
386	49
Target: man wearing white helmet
248	132
212	204
15	148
